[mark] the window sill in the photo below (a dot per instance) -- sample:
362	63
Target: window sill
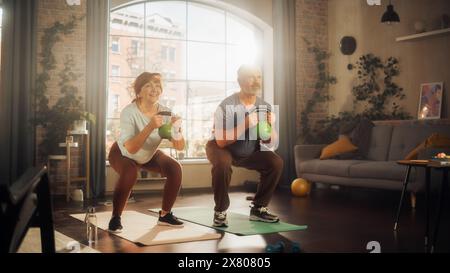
197	161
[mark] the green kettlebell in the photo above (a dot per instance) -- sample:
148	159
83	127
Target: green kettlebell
264	130
165	131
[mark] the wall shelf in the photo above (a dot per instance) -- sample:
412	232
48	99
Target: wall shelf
423	35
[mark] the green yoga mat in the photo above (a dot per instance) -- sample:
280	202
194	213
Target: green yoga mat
238	224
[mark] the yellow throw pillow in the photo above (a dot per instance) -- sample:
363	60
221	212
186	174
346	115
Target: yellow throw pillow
434	141
341	146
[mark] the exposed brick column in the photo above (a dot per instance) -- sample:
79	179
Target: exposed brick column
49	12
312	24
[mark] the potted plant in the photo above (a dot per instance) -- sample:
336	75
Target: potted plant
80	125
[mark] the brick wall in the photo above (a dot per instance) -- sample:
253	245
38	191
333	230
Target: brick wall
312	24
49	12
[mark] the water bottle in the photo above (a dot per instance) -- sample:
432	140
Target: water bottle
91	226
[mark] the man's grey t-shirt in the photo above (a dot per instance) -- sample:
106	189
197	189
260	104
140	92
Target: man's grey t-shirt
227	114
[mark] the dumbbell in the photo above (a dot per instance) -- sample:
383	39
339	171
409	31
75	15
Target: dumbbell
295	248
276	248
165	131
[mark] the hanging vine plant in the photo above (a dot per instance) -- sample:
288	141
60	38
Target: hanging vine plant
378	98
320	94
56	120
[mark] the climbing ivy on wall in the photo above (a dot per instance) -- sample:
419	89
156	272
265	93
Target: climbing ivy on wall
376	98
307	130
56	120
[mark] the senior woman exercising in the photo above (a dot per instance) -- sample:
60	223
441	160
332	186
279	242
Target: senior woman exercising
137	147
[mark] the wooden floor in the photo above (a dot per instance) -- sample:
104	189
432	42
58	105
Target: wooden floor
339	221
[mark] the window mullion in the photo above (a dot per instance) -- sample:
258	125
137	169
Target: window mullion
226	54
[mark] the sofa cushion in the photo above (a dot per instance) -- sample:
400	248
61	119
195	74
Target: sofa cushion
406	138
359	134
328	167
341	146
380	141
388	170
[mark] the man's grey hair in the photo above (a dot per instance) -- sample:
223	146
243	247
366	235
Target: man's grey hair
244	70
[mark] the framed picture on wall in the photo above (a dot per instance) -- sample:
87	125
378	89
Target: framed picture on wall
430	100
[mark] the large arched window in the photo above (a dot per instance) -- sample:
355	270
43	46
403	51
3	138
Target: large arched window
196	46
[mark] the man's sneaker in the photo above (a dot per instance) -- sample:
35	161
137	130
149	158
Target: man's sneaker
114	225
262	214
220	219
169	220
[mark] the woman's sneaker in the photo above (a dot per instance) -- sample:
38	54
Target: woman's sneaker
169	220
115	226
220	219
262	214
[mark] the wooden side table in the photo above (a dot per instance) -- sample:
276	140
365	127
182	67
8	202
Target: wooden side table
67	158
428	165
68	145
84	134
442	194
409	164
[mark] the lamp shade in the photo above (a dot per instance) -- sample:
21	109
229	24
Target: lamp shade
390	16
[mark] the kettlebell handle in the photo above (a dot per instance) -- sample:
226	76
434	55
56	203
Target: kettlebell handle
258	109
165	113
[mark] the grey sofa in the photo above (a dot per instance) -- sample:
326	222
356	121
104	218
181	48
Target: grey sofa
390	141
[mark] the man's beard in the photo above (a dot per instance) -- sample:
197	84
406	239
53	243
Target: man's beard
252	90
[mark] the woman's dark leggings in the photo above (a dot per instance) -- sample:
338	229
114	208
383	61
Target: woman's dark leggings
128	171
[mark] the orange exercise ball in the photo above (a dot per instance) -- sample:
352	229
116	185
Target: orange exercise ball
300	187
